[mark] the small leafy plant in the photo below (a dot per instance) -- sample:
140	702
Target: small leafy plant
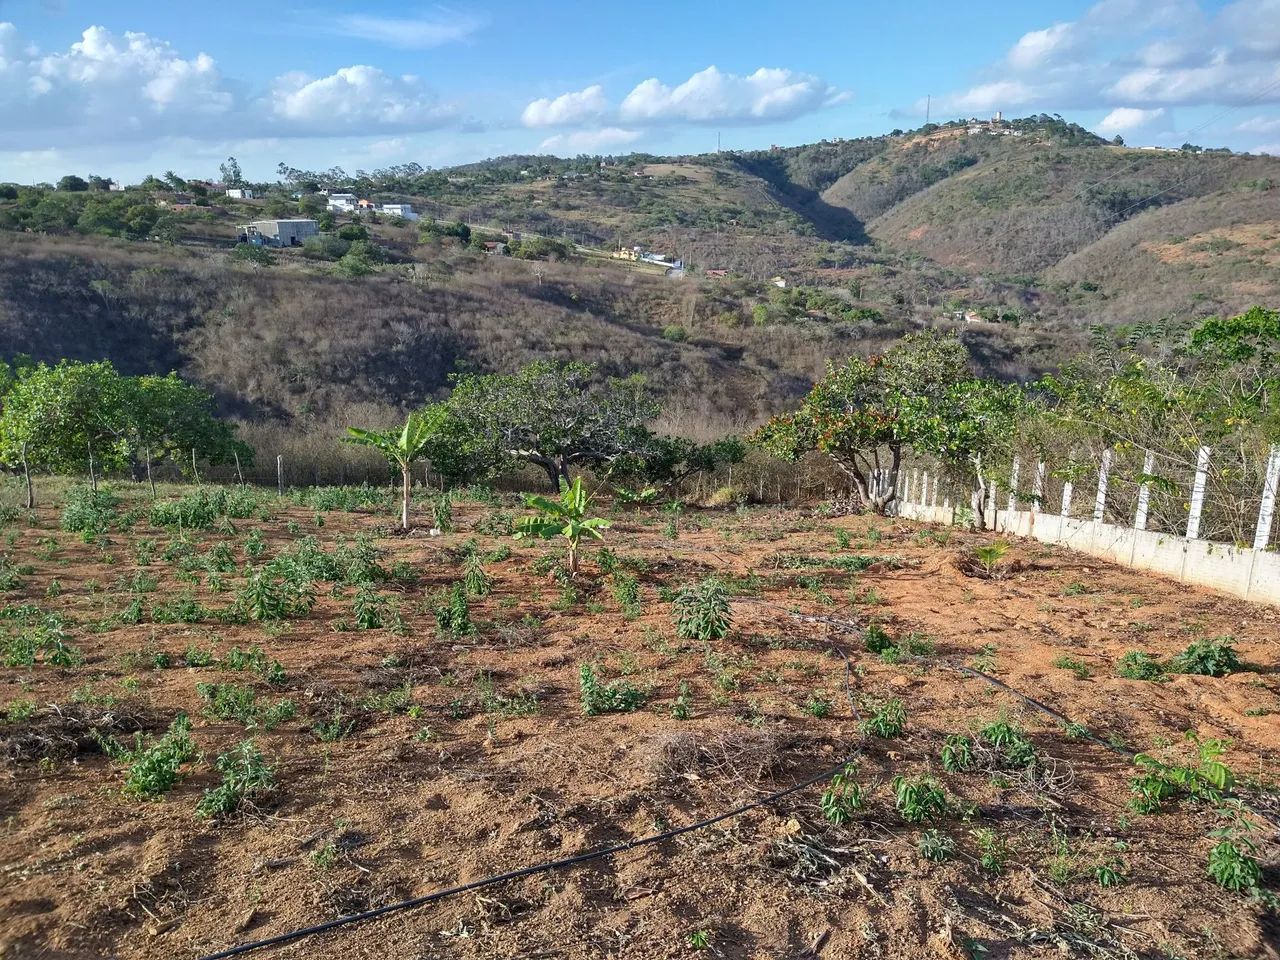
597	697
566	518
888	720
701	611
1208	658
919	798
245	777
843	796
1136	665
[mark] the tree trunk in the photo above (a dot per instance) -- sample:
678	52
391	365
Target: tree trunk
150	479
93	478
194	471
239	472
978	502
407	480
26	476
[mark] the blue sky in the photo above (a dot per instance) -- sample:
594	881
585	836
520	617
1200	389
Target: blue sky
126	88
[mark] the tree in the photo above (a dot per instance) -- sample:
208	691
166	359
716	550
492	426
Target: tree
230	172
969	426
401	450
1117	141
168	418
73	184
863	413
670	461
552	415
456	453
565	517
174	181
63	418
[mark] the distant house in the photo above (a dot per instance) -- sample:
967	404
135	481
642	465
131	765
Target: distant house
239	193
368	206
717	274
629	253
115	186
342	202
178	200
278	233
779	282
971	316
402	210
495	247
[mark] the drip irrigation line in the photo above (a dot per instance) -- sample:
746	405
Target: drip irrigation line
561	864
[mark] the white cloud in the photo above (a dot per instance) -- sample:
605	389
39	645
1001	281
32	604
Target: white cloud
1033	50
1138	54
713	96
992	96
589	141
109	88
357	98
411	33
1128	118
1260	125
568	109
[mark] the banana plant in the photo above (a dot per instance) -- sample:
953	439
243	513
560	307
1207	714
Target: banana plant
400	448
565	517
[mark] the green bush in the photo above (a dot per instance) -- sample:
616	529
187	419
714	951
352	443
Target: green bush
245	776
616	697
1208	658
702	611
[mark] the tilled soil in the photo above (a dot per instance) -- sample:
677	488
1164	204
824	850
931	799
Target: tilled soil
466	756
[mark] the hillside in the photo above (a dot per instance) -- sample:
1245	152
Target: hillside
1036	225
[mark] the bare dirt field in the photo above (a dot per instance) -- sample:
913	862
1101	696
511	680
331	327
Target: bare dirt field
416	740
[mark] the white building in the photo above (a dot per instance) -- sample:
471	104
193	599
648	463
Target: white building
779	282
342	202
403	210
115	186
239	193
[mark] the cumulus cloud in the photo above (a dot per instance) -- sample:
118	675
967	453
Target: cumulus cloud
714	96
360	98
568	109
1128	118
410	33
1140	54
710	96
109	88
589	141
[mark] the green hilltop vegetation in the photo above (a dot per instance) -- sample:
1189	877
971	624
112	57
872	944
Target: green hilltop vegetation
1031	230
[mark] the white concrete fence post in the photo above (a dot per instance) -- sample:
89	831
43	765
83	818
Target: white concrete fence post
1100	501
1013	486
280	474
1066	498
1197	493
937	479
1266	513
924	489
1037	488
1144	491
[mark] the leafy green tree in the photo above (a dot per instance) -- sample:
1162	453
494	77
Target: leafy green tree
401	448
64	418
670	461
864	413
73	184
168	418
565	517
554	415
456	453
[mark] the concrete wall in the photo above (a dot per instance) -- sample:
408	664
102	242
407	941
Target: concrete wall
1239	571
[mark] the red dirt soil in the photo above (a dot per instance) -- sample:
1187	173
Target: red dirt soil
461	786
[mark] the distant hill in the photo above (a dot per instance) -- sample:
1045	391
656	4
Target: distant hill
1032	229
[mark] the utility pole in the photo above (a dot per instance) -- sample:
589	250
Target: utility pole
928	104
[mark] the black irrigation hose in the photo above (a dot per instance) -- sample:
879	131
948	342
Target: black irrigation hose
523	871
